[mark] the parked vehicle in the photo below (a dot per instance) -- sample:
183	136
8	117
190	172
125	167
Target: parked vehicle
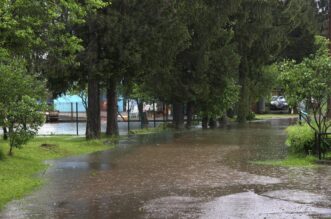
278	103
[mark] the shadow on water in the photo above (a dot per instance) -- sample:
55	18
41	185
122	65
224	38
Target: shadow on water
189	174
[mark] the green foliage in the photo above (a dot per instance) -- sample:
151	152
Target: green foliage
262	33
21	102
42	32
23	120
309	81
250	116
300	139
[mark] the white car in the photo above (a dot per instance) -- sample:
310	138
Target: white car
278	103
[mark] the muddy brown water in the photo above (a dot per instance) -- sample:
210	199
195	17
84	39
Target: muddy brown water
191	174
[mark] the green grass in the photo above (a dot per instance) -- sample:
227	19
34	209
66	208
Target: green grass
268	116
291	161
18	174
148	130
274	116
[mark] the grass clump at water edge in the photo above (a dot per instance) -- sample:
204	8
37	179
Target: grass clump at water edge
290	161
18	174
145	131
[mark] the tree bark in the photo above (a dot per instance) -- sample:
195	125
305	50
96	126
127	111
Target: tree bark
212	123
189	114
11	147
112	109
329	108
329	98
5	133
261	106
178	115
93	126
142	115
243	106
223	121
205	122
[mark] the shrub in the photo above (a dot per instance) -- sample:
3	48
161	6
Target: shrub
250	116
300	139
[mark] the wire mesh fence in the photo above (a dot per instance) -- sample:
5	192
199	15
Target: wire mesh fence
71	119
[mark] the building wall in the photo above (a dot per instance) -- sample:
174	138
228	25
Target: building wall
67	103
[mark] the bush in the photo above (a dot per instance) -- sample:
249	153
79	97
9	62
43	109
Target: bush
300	139
250	116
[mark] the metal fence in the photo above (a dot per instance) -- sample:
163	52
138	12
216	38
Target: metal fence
323	144
72	118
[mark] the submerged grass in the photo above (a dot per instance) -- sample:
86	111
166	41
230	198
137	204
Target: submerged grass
146	131
274	116
290	161
18	174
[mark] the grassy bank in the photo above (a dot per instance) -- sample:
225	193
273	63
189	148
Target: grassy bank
18	173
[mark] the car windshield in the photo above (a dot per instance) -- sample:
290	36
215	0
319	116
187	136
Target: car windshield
274	98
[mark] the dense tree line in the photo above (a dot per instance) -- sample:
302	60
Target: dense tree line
203	57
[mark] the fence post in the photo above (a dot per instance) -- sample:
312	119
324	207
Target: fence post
154	114
77	119
163	112
319	146
128	110
167	112
72	111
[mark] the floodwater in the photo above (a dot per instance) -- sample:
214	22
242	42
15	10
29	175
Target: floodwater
191	174
70	128
64	128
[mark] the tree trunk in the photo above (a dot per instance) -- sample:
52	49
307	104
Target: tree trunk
329	98
178	115
261	106
212	123
11	147
189	114
243	105
112	125
5	133
93	126
223	121
205	122
142	115
329	108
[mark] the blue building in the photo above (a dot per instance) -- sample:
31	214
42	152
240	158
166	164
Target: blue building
67	103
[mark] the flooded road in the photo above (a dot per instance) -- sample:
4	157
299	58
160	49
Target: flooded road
192	174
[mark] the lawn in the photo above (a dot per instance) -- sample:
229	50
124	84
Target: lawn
18	174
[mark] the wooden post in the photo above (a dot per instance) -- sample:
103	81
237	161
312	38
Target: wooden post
72	111
77	119
154	119
319	146
163	112
128	110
